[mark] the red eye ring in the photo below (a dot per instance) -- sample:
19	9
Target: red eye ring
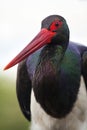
55	25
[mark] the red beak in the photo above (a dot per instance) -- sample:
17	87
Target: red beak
42	38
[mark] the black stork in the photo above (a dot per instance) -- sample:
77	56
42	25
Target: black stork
52	79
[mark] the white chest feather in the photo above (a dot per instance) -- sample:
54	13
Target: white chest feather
75	120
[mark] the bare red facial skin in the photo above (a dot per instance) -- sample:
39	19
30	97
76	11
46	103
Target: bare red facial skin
55	25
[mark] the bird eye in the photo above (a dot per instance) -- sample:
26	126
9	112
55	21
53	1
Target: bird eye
55	25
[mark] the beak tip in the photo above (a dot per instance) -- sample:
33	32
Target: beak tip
5	68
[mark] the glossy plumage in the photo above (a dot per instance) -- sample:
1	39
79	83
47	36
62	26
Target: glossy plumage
49	87
72	69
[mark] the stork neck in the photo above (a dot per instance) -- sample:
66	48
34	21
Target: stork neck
46	81
53	54
49	65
